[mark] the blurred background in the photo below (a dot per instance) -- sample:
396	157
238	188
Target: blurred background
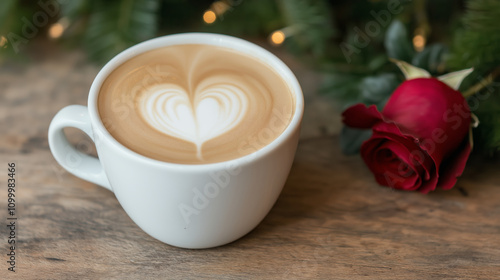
339	49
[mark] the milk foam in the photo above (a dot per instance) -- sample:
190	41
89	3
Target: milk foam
194	104
213	110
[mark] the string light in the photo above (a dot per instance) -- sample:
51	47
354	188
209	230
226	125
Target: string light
56	30
277	37
3	42
419	40
209	17
216	10
419	43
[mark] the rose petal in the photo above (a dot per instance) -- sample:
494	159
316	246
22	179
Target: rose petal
431	183
360	116
429	175
391	180
454	166
390	163
369	152
421	156
392	132
408	173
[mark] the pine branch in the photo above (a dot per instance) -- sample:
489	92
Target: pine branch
249	18
15	16
478	45
487	134
74	9
7	10
8	13
113	26
482	84
309	23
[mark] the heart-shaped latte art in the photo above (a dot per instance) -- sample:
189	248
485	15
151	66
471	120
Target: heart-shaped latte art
210	112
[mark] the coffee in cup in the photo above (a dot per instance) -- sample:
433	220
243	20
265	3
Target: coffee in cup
195	104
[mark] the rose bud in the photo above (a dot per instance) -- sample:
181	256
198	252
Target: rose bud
420	139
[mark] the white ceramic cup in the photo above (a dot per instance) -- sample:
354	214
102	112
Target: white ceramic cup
190	206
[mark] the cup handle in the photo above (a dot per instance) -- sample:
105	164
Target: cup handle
77	163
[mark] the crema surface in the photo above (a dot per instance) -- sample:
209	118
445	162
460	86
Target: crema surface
195	104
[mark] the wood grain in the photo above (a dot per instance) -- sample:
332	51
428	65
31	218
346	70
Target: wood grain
332	221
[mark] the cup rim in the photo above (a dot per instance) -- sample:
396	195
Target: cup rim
257	52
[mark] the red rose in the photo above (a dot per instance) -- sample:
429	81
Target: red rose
419	140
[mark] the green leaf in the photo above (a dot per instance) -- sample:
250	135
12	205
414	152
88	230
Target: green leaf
343	87
351	139
454	79
377	62
377	89
397	43
349	89
410	71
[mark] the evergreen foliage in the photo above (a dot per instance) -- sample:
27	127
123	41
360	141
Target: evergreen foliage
478	45
325	34
310	24
112	26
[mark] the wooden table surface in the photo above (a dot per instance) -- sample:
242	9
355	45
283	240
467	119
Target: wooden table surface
332	221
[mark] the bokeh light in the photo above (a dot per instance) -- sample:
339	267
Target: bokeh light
56	30
3	42
419	43
277	37
209	17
